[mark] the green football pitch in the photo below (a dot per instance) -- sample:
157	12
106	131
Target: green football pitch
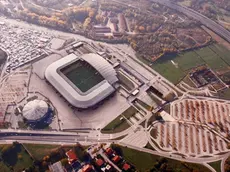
82	75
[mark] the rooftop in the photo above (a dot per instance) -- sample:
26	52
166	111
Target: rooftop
116	159
87	168
100	162
109	151
35	110
126	167
71	156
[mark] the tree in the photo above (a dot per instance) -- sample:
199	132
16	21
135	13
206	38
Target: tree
117	149
141	28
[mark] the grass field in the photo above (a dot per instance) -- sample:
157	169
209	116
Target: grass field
145	161
39	151
17	157
216	165
4	168
215	56
118	125
82	75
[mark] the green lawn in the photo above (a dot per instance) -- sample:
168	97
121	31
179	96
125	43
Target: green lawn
222	52
118	125
39	151
80	74
16	157
216	165
215	56
165	67
224	94
4	168
145	161
188	60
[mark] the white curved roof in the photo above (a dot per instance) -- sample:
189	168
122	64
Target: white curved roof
71	93
35	110
102	66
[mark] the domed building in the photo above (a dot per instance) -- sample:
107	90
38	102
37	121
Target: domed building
36	110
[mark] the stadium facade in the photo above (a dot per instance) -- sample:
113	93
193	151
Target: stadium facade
84	80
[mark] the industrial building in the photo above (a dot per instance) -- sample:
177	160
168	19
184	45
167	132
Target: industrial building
36	110
83	81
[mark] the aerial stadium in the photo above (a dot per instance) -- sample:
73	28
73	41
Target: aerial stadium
83	81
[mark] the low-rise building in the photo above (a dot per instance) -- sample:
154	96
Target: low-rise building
87	168
126	167
71	156
109	151
116	158
99	162
56	167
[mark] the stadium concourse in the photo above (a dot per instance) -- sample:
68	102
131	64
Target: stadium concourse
84	80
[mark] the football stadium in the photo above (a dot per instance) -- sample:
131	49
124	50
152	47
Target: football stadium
83	81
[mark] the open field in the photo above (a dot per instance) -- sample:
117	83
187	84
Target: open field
39	151
165	67
145	161
4	168
16	157
118	125
175	67
224	94
216	165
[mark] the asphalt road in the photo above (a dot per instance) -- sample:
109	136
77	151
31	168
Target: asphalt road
58	138
217	28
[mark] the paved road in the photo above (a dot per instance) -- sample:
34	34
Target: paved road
223	162
62	138
217	28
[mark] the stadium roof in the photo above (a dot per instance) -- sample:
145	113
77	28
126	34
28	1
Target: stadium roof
73	94
35	110
102	66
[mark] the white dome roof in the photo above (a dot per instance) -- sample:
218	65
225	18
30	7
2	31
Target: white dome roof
35	110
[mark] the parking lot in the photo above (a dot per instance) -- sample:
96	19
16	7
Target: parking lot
201	128
22	45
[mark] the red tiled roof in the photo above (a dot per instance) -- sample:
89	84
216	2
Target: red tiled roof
126	167
71	155
109	151
87	168
100	162
116	159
